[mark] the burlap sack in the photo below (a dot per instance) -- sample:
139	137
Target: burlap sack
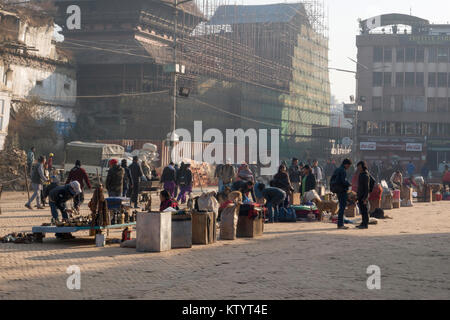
228	222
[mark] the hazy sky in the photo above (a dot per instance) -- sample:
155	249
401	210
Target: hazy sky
343	16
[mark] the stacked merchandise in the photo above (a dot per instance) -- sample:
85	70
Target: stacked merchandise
307	212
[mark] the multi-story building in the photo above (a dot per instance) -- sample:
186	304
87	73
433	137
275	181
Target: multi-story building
403	84
33	68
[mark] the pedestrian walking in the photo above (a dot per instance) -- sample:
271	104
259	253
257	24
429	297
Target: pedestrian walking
37	182
127	181
136	176
30	159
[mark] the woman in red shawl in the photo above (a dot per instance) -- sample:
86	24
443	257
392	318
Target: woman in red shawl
167	201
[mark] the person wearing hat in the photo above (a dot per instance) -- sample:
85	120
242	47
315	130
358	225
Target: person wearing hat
78	174
114	179
58	198
60	195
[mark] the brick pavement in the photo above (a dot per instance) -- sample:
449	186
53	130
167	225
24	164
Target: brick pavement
291	261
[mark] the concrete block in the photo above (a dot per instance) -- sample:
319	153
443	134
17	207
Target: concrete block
154	232
181	232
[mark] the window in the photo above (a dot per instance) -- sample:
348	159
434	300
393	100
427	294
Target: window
442	80
410	128
387	79
1	123
442	55
387	104
398	128
66	86
432	54
391	128
441	105
399	80
2	107
410	55
376	103
39	83
420	80
420	54
432	79
401	55
377	79
431	104
387	54
409	79
378	54
398	104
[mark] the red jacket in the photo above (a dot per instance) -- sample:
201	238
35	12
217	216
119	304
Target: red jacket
80	175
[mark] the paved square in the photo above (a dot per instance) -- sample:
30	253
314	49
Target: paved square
291	261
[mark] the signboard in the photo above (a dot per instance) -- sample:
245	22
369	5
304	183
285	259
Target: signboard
368	146
414	147
426	39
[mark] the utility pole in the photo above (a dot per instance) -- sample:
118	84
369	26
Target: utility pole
175	30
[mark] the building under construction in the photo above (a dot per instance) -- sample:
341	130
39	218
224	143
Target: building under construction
263	66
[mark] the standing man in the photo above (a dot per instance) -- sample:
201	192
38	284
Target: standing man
30	159
136	176
218	175
308	181
50	163
411	169
114	180
227	175
37	181
184	180
317	171
339	185
127	181
363	194
169	178
294	175
78	174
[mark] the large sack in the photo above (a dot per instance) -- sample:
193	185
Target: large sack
228	222
208	202
312	195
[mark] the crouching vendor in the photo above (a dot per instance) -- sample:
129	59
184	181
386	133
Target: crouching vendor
167	201
58	198
275	198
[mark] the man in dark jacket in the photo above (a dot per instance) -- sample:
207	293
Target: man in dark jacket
127	181
60	195
363	194
80	175
136	176
37	182
114	180
339	185
274	197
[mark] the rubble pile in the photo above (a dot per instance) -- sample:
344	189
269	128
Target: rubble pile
12	173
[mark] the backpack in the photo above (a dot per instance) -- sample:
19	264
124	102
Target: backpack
378	214
335	187
287	215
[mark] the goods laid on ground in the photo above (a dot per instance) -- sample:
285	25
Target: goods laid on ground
26	238
228	222
251	221
203	227
307	212
351	211
181	230
154	231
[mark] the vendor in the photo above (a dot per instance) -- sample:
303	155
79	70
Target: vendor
274	197
308	180
397	180
167	201
246	188
57	200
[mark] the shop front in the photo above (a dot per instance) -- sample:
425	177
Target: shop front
438	152
400	150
